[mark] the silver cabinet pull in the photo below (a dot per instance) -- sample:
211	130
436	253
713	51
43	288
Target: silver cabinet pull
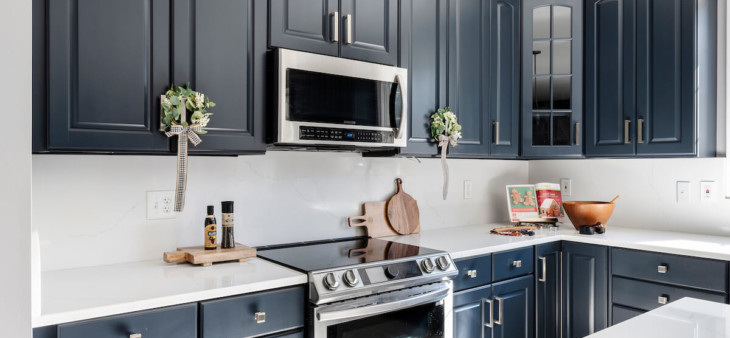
472	273
335	20
135	335
348	29
491	314
577	133
662	300
543	261
499	320
627	127
640	131
517	264
662	268
259	317
496	132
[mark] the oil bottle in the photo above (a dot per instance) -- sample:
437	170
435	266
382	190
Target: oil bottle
211	231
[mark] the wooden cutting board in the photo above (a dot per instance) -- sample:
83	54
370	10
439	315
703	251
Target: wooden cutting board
402	211
199	256
373	219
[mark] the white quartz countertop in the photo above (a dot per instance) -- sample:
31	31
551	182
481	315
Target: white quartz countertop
85	293
476	240
685	318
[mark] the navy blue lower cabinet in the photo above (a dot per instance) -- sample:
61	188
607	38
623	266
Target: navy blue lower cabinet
547	290
622	313
514	308
472	312
585	289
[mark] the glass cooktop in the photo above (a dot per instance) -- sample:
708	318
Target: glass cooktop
321	256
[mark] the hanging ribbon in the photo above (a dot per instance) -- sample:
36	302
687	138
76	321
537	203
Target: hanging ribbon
444	142
184	134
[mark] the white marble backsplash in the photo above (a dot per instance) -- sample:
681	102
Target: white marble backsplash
90	209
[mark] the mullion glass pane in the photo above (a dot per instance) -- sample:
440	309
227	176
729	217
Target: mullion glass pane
541	129
541	93
561	57
541	22
562	19
541	57
561	129
562	91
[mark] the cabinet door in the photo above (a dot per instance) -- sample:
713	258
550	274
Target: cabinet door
585	289
514	308
610	78
552	80
472	312
370	30
547	283
215	54
108	63
665	81
504	81
306	25
468	75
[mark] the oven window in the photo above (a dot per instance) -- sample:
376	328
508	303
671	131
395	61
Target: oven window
423	321
327	98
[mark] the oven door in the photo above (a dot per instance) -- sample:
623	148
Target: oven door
423	312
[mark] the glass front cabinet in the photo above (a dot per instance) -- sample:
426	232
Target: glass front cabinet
552	66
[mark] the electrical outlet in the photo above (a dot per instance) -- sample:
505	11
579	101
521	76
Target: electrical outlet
708	190
467	189
683	192
160	204
565	186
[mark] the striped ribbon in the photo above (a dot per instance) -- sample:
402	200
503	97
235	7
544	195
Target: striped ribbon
184	134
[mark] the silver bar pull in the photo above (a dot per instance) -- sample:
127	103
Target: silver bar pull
500	320
662	268
496	132
627	127
348	29
135	335
663	300
491	314
543	261
640	131
517	264
472	273
335	20
577	133
259	317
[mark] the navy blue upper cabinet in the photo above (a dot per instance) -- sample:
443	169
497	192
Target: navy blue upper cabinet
108	62
552	78
585	289
365	30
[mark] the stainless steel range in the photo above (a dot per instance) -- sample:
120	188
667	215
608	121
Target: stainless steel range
373	288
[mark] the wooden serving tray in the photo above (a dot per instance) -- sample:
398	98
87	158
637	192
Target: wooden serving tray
199	256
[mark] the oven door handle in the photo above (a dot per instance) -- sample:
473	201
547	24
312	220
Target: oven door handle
428	297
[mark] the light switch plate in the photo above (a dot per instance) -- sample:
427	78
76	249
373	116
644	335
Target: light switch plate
467	189
160	204
566	186
708	191
683	192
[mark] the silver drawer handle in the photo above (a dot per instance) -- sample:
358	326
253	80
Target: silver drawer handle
135	335
543	260
259	317
662	268
500	319
491	314
335	26
662	300
472	273
517	264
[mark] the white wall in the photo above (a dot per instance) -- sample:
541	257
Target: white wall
15	165
648	190
90	209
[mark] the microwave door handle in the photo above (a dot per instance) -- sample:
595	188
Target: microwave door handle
404	105
428	297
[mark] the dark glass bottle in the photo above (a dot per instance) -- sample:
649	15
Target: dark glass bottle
227	241
211	231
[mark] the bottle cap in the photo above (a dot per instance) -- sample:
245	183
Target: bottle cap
211	210
227	207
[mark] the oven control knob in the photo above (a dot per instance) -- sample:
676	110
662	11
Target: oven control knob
350	278
427	265
330	282
443	262
391	272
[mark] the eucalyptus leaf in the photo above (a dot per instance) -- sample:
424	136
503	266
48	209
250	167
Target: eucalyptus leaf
202	132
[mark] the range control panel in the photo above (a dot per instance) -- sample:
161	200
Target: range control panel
345	135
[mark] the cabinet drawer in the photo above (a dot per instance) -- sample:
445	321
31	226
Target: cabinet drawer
679	270
620	313
646	295
234	317
177	321
473	272
512	263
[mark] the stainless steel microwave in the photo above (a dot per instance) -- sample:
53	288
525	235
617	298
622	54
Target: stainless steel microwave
334	102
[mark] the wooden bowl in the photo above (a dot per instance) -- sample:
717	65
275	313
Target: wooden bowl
588	212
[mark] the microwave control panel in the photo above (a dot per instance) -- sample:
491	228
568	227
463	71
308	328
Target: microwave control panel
345	135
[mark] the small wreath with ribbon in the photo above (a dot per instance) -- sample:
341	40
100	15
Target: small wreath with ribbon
446	130
177	104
